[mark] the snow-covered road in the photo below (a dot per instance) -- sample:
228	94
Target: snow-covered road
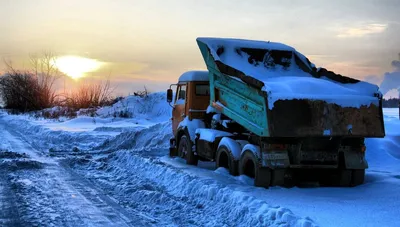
104	172
124	188
36	190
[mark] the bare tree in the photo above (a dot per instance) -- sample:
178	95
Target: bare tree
46	72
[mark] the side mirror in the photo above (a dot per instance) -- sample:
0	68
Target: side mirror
169	95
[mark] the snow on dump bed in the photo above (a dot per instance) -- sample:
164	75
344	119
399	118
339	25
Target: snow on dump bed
286	83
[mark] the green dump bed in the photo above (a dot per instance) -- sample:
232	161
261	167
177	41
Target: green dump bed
274	91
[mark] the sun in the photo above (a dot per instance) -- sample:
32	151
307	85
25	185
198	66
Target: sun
75	66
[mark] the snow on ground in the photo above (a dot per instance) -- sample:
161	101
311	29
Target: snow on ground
35	190
125	161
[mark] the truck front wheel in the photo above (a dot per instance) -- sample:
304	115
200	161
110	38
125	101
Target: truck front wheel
185	151
224	158
249	166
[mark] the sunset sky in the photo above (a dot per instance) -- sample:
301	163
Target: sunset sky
152	42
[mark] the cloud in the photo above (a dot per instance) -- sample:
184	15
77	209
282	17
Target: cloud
361	31
374	79
396	65
389	83
391	80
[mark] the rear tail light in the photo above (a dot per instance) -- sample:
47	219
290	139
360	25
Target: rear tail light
363	149
278	146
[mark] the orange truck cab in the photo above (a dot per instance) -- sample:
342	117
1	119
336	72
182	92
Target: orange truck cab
191	100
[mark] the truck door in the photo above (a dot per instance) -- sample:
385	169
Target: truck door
179	111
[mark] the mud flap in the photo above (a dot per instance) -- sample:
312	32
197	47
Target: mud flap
262	177
278	177
173	151
354	160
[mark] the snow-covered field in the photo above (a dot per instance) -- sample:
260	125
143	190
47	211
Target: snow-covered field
110	171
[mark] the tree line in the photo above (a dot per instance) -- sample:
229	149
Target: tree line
391	103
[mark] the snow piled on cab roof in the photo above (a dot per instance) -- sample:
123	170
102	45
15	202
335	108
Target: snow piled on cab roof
292	82
194	76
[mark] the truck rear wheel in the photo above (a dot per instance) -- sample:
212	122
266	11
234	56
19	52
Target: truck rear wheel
224	158
249	166
344	178
351	177
185	151
358	176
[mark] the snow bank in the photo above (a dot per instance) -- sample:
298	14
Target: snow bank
223	204
153	108
89	133
44	137
140	139
287	82
392	121
385	152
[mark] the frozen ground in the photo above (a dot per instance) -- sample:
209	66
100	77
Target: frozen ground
106	171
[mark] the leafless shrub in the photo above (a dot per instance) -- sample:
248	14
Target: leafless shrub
143	93
55	113
91	112
89	95
27	90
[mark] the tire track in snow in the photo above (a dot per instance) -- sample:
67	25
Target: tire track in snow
54	195
183	198
146	185
9	215
97	196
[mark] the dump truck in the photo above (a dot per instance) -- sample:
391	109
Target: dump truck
263	110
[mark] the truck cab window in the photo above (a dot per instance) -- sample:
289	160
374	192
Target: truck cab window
181	95
203	90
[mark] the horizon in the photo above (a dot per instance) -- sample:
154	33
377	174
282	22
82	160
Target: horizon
151	43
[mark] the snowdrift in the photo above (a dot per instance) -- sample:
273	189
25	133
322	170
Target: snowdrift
152	108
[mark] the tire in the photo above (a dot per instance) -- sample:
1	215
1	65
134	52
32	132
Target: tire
344	178
185	151
224	158
249	166
358	176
